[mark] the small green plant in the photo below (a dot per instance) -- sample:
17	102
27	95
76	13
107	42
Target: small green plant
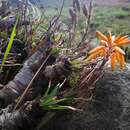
50	101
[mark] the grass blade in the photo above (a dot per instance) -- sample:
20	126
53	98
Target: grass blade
8	48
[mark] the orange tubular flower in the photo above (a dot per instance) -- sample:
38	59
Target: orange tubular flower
109	47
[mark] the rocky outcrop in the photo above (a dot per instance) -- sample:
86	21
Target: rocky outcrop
109	110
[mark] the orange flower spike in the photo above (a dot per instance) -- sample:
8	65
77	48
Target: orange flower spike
117	39
118	56
123	38
96	49
113	39
103	53
110	38
113	61
119	50
122	61
92	56
124	42
101	36
95	54
104	43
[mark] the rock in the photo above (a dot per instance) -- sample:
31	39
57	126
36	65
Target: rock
110	109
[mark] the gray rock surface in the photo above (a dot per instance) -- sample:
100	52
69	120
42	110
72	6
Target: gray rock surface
110	109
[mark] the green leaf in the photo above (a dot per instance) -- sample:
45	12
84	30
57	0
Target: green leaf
53	101
58	101
47	91
61	107
54	91
8	48
46	101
